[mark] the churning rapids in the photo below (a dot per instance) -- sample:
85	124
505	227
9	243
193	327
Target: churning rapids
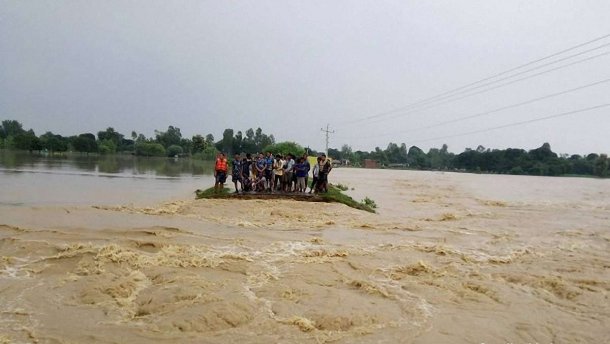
449	258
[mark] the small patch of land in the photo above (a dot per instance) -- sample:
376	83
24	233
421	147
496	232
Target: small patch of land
334	195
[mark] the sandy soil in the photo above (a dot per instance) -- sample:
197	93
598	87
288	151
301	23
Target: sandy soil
449	258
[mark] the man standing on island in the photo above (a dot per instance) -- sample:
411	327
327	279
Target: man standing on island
220	172
325	166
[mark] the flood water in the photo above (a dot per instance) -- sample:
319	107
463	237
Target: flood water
117	250
38	179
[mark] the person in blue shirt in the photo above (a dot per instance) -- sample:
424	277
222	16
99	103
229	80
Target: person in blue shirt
300	169
269	172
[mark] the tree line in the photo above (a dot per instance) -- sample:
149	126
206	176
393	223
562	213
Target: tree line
164	143
540	161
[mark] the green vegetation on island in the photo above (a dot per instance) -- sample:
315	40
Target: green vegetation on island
333	195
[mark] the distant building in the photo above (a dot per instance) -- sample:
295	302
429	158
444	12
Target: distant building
369	163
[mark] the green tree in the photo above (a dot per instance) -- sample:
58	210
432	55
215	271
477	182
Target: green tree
247	143
11	128
170	137
126	145
150	149
209	139
347	153
174	150
238	143
435	158
141	138
226	144
208	153
110	134
85	143
416	157
187	146
379	155
53	142
267	141
107	146
285	148
335	154
543	153
27	140
395	154
580	165
601	166
198	144
258	138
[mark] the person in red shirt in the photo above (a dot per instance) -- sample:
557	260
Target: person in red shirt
220	172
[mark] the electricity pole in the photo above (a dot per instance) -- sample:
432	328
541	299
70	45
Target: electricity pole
327	131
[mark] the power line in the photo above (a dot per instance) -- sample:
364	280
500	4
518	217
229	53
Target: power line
480	114
514	105
494	87
520	73
478	81
526	64
460	97
514	123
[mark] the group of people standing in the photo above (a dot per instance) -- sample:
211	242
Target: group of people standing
273	173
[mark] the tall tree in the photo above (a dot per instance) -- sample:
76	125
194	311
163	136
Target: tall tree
110	134
198	144
53	142
226	144
170	137
11	128
27	140
416	157
85	143
601	165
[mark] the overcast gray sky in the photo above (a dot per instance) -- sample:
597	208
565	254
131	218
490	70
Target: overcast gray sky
290	67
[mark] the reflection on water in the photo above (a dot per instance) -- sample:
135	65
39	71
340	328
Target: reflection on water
106	164
39	179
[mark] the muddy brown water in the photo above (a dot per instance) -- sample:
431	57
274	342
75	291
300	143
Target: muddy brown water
449	258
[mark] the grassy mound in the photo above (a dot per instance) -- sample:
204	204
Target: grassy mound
334	195
211	193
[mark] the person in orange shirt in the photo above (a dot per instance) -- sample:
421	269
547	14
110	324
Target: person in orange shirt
220	172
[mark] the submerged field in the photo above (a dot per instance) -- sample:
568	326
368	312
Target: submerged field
447	258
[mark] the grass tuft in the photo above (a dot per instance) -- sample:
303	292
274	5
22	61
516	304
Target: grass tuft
335	195
211	193
341	187
369	202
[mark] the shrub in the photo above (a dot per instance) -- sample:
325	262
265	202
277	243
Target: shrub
369	202
150	149
174	150
342	187
285	148
208	153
